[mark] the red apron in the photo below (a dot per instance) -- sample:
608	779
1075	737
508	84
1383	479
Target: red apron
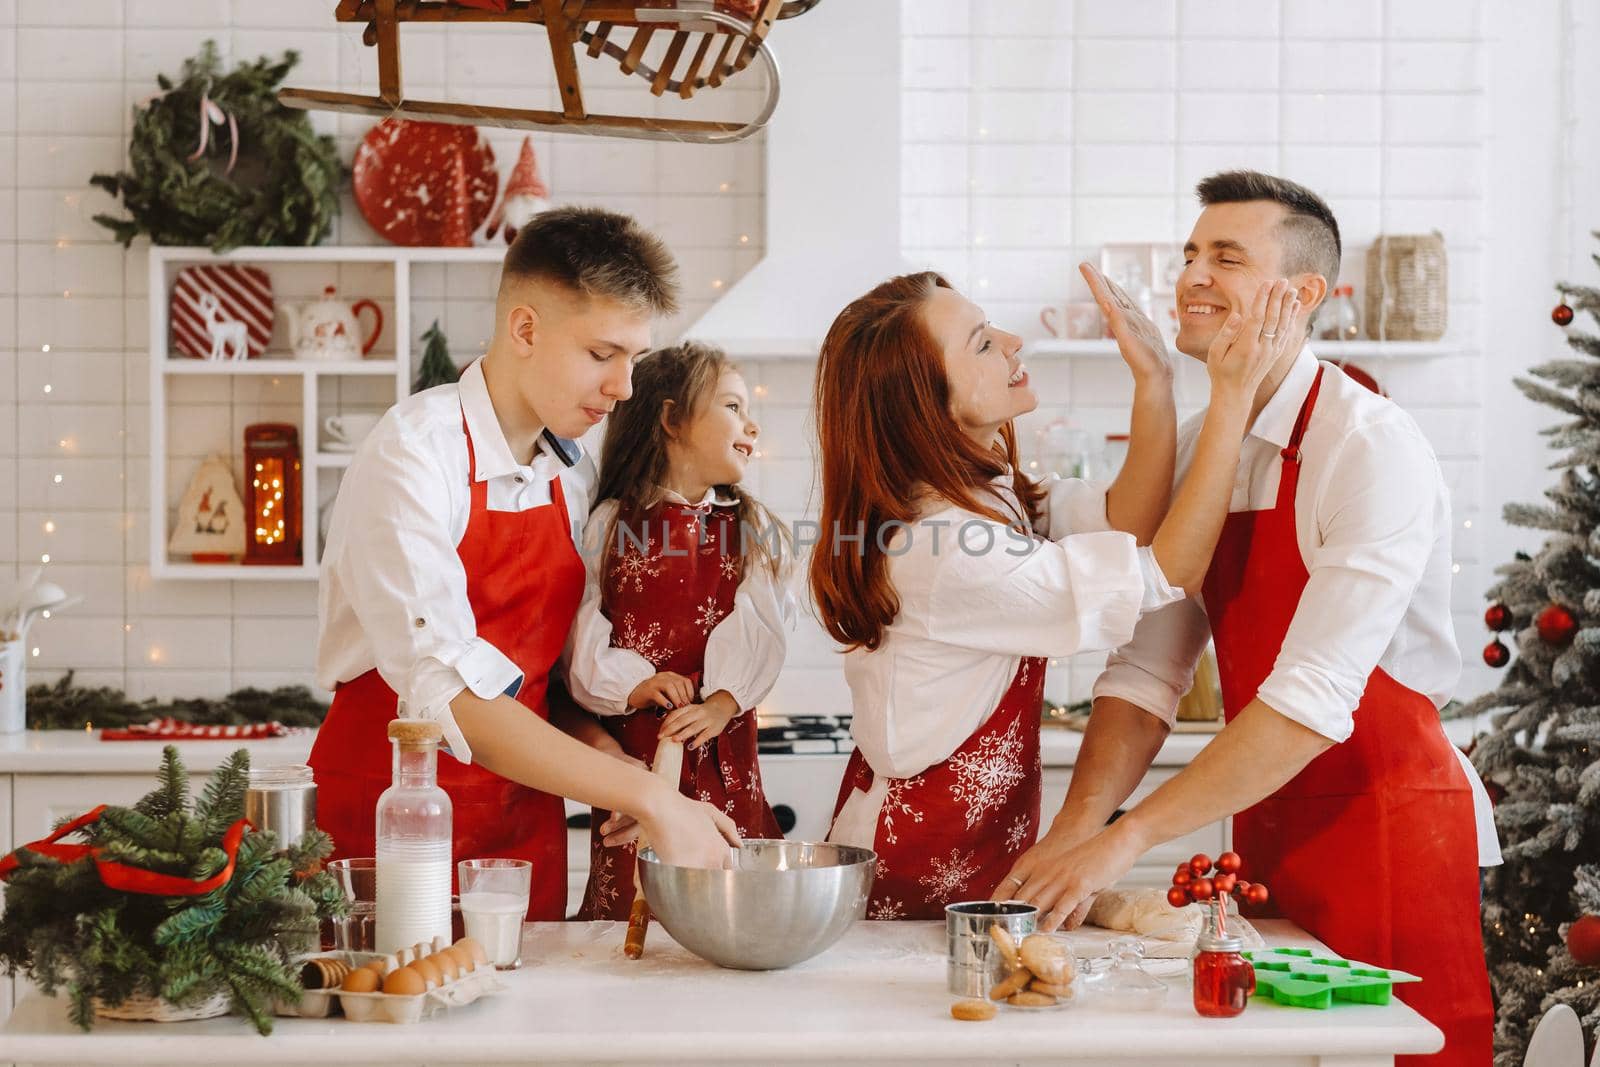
953	831
524	581
664	596
1372	847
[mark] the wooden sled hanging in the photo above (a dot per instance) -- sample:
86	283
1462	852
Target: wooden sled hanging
696	29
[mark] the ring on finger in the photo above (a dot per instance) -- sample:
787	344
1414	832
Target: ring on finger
1269	334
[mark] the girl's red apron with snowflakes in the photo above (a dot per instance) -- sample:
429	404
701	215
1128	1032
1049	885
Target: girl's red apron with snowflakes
671	580
953	831
524	582
1372	847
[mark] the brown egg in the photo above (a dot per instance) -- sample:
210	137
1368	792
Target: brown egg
360	980
430	972
376	966
446	961
468	945
406	982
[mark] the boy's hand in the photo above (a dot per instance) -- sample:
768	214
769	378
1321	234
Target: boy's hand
665	689
699	723
1141	344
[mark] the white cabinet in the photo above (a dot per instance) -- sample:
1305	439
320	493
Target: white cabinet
200	406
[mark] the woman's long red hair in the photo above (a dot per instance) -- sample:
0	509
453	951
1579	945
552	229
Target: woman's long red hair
888	443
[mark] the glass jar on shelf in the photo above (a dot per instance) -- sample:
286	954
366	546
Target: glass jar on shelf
1340	319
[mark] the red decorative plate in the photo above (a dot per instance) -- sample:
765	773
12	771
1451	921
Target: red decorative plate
401	176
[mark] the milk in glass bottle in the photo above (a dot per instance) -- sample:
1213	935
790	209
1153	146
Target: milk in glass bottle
413	842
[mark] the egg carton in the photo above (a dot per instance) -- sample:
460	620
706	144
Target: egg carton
391	1007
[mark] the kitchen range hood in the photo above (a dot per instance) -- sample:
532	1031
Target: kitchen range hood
833	184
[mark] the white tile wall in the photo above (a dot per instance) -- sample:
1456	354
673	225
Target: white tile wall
1378	104
1033	132
69	75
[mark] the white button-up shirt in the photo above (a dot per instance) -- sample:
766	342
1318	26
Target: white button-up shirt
1372	518
393	592
744	652
975	598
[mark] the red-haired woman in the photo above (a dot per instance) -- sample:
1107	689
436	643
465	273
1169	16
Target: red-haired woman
950	576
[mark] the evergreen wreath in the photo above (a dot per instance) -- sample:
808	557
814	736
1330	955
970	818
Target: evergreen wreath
283	189
64	927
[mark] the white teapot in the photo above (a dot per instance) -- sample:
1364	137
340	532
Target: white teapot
328	329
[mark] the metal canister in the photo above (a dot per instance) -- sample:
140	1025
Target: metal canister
971	953
282	799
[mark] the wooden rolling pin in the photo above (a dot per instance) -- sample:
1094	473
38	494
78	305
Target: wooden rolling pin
669	766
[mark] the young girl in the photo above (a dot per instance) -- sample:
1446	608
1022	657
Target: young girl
972	575
683	624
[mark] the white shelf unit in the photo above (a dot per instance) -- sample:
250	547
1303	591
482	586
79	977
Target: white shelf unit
164	262
1331	350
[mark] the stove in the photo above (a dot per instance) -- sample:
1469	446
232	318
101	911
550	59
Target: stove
797	735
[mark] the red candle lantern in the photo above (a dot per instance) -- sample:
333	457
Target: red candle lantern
272	494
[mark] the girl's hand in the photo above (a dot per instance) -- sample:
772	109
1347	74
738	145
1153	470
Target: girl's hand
665	689
1248	346
701	722
1141	344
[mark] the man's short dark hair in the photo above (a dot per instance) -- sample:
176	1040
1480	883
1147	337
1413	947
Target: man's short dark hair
1310	232
598	253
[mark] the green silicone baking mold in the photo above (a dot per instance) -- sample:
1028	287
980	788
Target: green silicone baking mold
1301	978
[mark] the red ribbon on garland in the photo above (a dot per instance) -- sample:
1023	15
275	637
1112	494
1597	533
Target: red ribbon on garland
117	875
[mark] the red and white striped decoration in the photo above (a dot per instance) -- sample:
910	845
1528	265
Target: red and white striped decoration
245	295
170	729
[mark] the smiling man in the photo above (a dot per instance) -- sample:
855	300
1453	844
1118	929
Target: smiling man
1328	599
451	574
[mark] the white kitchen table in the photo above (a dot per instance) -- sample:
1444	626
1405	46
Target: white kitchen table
877	996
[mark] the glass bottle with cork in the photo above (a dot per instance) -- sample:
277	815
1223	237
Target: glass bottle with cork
414	840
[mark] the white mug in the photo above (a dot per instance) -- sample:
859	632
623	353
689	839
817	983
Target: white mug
351	427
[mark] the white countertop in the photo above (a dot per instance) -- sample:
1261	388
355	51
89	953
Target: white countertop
877	996
82	751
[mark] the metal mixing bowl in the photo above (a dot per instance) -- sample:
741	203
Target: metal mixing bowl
785	902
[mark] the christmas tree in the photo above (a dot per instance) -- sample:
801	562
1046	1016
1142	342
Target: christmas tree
1541	760
436	368
64	927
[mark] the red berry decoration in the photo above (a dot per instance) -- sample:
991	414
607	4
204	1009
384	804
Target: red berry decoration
1200	864
1203	889
1497	617
1556	625
1562	314
1495	654
1241	889
1583	940
1229	863
1224	883
1183	877
1177	897
1257	894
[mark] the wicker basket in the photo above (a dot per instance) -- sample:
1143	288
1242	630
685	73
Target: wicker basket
1406	288
143	1008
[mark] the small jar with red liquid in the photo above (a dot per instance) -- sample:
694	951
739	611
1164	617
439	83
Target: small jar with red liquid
1223	979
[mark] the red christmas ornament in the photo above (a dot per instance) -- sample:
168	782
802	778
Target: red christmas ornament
1203	889
1177	897
1562	314
1229	863
1497	617
1495	654
1200	864
1241	889
1225	883
1583	940
1556	625
1257	894
1496	791
1183	877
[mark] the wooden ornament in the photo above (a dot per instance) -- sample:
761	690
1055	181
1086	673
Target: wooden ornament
210	527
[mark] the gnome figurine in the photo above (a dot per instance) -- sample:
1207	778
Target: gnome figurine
525	195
